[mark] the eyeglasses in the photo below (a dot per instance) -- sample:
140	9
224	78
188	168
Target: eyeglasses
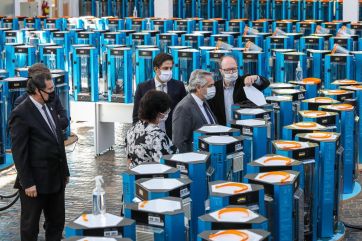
230	70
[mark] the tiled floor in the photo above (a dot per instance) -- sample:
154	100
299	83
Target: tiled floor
85	166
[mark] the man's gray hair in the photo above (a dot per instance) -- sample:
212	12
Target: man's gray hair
198	79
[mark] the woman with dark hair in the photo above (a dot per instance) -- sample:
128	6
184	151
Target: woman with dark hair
145	141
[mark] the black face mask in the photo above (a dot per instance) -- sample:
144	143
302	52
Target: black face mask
51	96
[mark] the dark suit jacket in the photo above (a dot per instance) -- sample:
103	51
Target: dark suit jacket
175	89
56	104
217	103
186	118
39	158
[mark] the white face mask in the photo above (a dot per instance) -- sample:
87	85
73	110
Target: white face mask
165	75
211	91
231	78
164	116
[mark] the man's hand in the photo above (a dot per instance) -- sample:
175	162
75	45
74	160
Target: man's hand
31	191
249	80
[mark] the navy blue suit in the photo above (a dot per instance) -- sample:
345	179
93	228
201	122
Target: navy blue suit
175	89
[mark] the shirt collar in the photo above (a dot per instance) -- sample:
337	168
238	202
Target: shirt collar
36	103
197	99
158	83
230	86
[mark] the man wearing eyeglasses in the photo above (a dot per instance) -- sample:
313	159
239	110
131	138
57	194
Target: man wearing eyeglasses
230	89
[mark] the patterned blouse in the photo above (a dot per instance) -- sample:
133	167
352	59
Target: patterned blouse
146	142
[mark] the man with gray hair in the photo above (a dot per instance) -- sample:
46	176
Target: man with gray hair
193	111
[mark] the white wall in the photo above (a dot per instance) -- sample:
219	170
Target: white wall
7	7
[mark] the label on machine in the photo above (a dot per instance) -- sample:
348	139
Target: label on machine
251	56
156	220
83	35
110	36
59	35
166	36
10	33
83	51
117	52
341	40
338	59
145	53
20	50
185	54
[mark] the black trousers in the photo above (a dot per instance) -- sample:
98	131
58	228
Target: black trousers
54	212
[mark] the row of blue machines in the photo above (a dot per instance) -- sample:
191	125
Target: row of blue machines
326	10
275	172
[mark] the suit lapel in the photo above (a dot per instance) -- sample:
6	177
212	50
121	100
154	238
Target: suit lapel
40	118
238	85
198	108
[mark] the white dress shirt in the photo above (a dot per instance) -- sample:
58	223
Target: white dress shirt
39	107
228	101
200	103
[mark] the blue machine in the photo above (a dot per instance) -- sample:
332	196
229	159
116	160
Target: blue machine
225	38
137	24
9	63
311	42
308	153
114	24
112	38
295	8
332	26
34	23
119	75
276	42
255	141
221	23
328	119
144	66
224	193
213	60
287	63
165	40
344	42
357	27
163	26
237	53
141	38
188	60
63	39
226	155
212	234
236	25
315	60
306	27
204	50
11	23
254	63
310	10
125	228
193	40
53	23
240	113
128	34
326	10
338	15
290	131
248	9
103	8
284	25
242	218
61	84
219	8
337	67
13	36
147	8
24	55
53	57
86	38
256	39
12	88
297	96
187	25
279	9
85	74
88	8
189	8
194	165
262	25
3	75
310	85
347	128
340	95
35	38
272	64
209	26
173	50
167	222
204	9
212	130
264	9
283	106
145	170
233	11
357	57
330	180
285	206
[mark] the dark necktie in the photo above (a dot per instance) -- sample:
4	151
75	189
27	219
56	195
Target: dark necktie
52	127
208	113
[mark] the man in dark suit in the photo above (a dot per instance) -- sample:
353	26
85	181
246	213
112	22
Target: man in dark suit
230	89
56	104
163	81
193	111
40	159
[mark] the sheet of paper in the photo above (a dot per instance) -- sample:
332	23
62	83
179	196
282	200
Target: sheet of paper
99	221
255	95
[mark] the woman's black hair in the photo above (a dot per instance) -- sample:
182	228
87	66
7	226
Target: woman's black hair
153	103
